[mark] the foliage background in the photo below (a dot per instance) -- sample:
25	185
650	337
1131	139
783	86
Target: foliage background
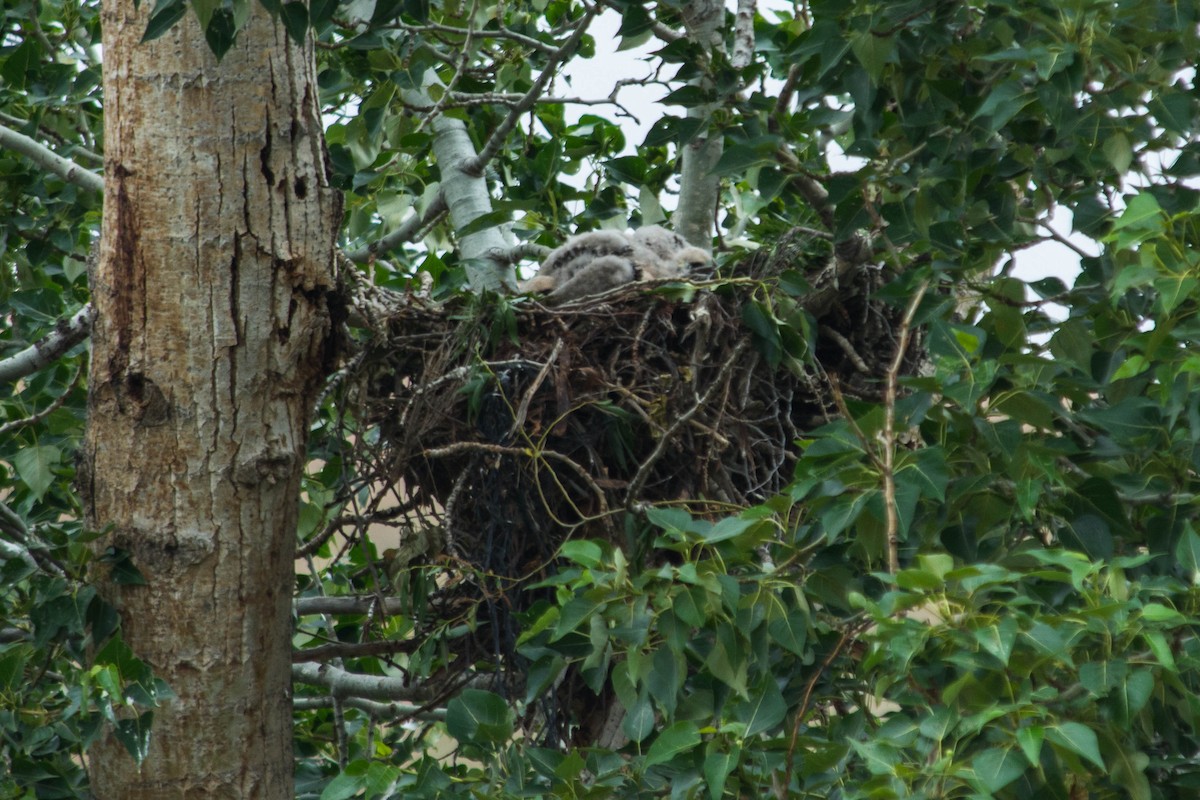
1039	637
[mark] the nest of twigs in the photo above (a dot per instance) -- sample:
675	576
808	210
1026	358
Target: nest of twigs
512	427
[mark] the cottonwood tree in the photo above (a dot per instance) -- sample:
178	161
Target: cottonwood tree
867	515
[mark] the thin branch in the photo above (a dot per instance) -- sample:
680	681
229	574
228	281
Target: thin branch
16	122
464	55
889	428
67	333
339	650
364	604
855	359
643	473
405	233
46	158
502	33
495	142
33	419
10	550
389	712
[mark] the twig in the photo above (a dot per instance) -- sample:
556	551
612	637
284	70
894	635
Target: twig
362	604
802	711
847	348
643	473
523	407
325	652
405	233
501	33
9	427
464	55
495	142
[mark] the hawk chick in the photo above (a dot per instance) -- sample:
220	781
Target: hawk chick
595	262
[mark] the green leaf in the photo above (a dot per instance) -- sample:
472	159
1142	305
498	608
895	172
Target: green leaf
998	767
1100	677
678	739
1142	218
35	466
789	630
479	717
762	323
1131	696
998	638
939	723
166	13
639	720
717	767
1128	768
1003	103
728	528
134	735
763	711
1118	151
344	785
221	32
1078	739
1163	615
1030	739
579	609
295	20
584	552
872	51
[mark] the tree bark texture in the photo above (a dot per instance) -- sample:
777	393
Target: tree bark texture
467	199
699	187
212	336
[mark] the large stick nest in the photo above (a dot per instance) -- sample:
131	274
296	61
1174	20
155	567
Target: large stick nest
508	428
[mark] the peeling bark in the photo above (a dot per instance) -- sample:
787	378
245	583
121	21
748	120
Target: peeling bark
211	339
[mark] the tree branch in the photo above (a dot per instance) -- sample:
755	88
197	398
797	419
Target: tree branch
342	684
46	158
407	232
376	711
891	512
496	141
67	333
743	34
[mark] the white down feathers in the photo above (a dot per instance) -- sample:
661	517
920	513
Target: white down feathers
595	262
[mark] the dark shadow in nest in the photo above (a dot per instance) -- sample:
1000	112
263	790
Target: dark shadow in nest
515	426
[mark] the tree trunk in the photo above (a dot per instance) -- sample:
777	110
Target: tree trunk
211	340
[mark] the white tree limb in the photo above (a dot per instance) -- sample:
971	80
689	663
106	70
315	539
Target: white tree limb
743	34
698	186
46	158
467	198
67	333
344	685
380	712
